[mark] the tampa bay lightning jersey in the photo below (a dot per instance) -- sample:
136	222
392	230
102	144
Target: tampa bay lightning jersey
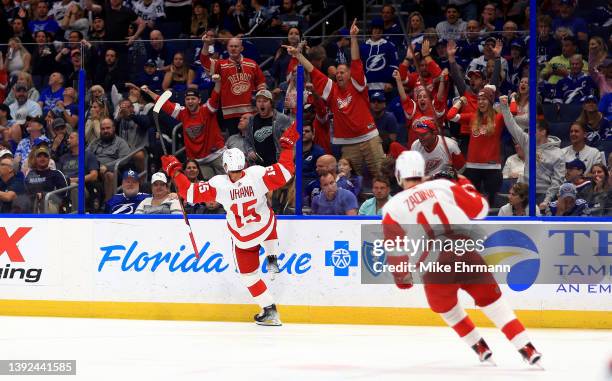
379	60
120	204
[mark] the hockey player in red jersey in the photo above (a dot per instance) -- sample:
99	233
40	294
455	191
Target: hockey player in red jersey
250	221
449	203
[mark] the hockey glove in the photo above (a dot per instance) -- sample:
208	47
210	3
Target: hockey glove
170	164
289	138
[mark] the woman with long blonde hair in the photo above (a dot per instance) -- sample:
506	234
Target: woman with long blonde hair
17	58
483	166
97	112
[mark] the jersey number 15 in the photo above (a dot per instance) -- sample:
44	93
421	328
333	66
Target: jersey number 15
245	213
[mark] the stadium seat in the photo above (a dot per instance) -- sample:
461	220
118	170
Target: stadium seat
550	112
560	130
570	112
606	147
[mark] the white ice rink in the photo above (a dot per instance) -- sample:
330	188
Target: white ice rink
120	350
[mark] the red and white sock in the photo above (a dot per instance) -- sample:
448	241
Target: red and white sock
458	319
504	318
258	289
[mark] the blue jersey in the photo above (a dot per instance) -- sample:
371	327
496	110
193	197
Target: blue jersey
153	81
573	89
605	105
580	209
50	98
467	50
379	60
120	204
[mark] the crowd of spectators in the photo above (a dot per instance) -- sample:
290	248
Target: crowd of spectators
453	87
574	137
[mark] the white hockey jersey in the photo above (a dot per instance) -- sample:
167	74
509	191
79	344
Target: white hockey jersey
437	202
249	218
437	158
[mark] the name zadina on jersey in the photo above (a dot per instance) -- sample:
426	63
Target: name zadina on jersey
436	202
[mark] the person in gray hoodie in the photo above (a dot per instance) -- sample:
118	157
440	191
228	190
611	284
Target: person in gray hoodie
264	130
550	167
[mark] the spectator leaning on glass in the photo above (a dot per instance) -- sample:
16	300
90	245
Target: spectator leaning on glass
161	202
354	127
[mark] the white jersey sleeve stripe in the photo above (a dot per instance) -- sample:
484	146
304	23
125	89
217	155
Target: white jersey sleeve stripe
190	193
327	89
176	111
359	87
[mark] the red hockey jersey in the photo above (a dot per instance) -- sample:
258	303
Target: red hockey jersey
238	81
203	139
353	122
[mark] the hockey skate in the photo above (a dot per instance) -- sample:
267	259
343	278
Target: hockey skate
482	350
268	316
272	266
531	355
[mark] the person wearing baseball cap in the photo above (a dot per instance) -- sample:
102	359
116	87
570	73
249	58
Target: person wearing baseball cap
203	138
35	128
574	174
432	148
379	57
42	179
338	51
150	76
568	203
22	108
386	123
128	200
265	129
160	202
60	144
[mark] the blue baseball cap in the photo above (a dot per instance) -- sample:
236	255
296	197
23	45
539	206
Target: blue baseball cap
41	140
591	98
130	173
344	32
576	163
378	96
377	22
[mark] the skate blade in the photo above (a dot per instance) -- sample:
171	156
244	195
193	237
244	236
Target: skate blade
490	362
538	364
270	323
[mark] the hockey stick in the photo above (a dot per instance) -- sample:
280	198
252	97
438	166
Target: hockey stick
156	109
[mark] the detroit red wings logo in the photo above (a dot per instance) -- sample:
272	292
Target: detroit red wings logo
343	103
432	164
240	83
240	88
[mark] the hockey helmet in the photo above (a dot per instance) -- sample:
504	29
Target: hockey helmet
233	160
409	164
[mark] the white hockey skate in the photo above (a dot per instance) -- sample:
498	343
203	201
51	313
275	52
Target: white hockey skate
272	266
268	316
